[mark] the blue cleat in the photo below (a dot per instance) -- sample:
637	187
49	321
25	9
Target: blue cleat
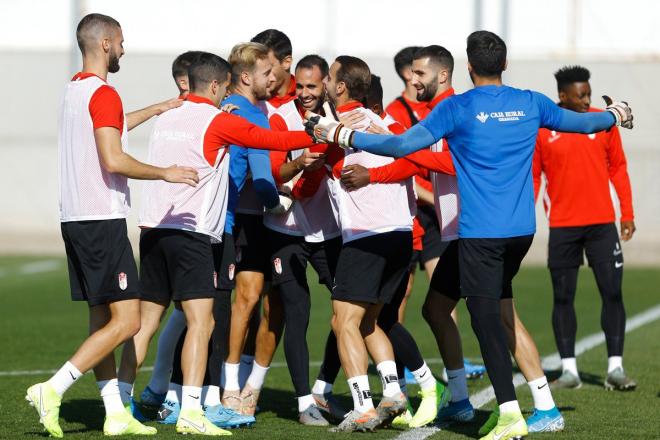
134	410
151	399
545	421
473	371
227	418
410	379
168	413
461	411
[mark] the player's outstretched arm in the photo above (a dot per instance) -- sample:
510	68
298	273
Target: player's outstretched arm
115	160
133	119
559	119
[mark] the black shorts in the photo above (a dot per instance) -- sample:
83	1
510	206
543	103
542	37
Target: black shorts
487	265
446	277
432	244
414	260
101	264
289	255
176	265
224	261
252	249
568	244
370	269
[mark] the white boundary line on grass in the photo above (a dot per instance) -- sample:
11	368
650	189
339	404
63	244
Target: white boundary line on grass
551	362
33	267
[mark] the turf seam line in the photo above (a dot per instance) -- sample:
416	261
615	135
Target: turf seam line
550	362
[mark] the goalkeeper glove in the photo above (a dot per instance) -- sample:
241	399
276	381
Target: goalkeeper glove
621	111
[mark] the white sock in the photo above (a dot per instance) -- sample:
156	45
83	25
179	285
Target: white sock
457	384
359	386
321	387
541	394
245	369
111	398
424	378
257	376
174	393
191	397
64	378
231	376
126	392
167	341
403	386
212	396
614	362
510	407
570	365
389	379
305	402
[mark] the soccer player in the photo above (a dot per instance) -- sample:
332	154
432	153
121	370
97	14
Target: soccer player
578	169
491	131
406	109
307	234
94	203
180	67
252	81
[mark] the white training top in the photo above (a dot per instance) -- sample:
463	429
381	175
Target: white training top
87	190
178	138
377	207
447	207
311	217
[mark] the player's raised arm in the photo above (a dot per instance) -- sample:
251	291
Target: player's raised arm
556	118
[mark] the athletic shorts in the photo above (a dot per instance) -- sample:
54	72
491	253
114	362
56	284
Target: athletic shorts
446	277
487	265
432	244
370	269
568	244
252	249
102	268
414	260
176	265
289	255
224	261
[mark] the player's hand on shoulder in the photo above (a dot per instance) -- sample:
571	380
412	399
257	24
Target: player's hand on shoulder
352	119
177	174
354	177
164	106
621	111
228	108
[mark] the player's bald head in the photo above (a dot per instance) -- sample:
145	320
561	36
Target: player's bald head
93	28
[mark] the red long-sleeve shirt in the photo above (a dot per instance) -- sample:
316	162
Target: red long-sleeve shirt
578	170
399	112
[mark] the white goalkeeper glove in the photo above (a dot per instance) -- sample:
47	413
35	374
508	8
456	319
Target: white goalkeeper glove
286	202
324	129
621	111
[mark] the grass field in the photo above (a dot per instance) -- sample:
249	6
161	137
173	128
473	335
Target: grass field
40	328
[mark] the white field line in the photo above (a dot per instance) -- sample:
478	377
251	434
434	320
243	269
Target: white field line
33	268
551	362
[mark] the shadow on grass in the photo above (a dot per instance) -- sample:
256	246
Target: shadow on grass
88	412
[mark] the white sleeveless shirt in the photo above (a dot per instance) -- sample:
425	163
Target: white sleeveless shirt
87	190
375	208
447	206
311	217
178	138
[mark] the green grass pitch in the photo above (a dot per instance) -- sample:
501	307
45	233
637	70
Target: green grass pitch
40	327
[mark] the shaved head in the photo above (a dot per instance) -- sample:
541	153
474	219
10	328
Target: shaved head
98	32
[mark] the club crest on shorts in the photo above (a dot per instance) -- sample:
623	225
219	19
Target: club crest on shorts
215	279
277	263
230	271
123	280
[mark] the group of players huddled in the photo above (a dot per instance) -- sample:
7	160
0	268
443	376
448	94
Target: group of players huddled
253	172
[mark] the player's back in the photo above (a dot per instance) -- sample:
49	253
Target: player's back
178	138
492	138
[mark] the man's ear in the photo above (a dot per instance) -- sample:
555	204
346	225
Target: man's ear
443	76
246	78
340	88
214	87
286	63
469	67
106	44
562	96
506	64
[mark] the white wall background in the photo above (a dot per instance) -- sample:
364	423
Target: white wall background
620	45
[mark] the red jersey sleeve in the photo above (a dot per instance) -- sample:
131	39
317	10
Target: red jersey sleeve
231	129
106	109
396	171
440	161
537	167
277	158
618	170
